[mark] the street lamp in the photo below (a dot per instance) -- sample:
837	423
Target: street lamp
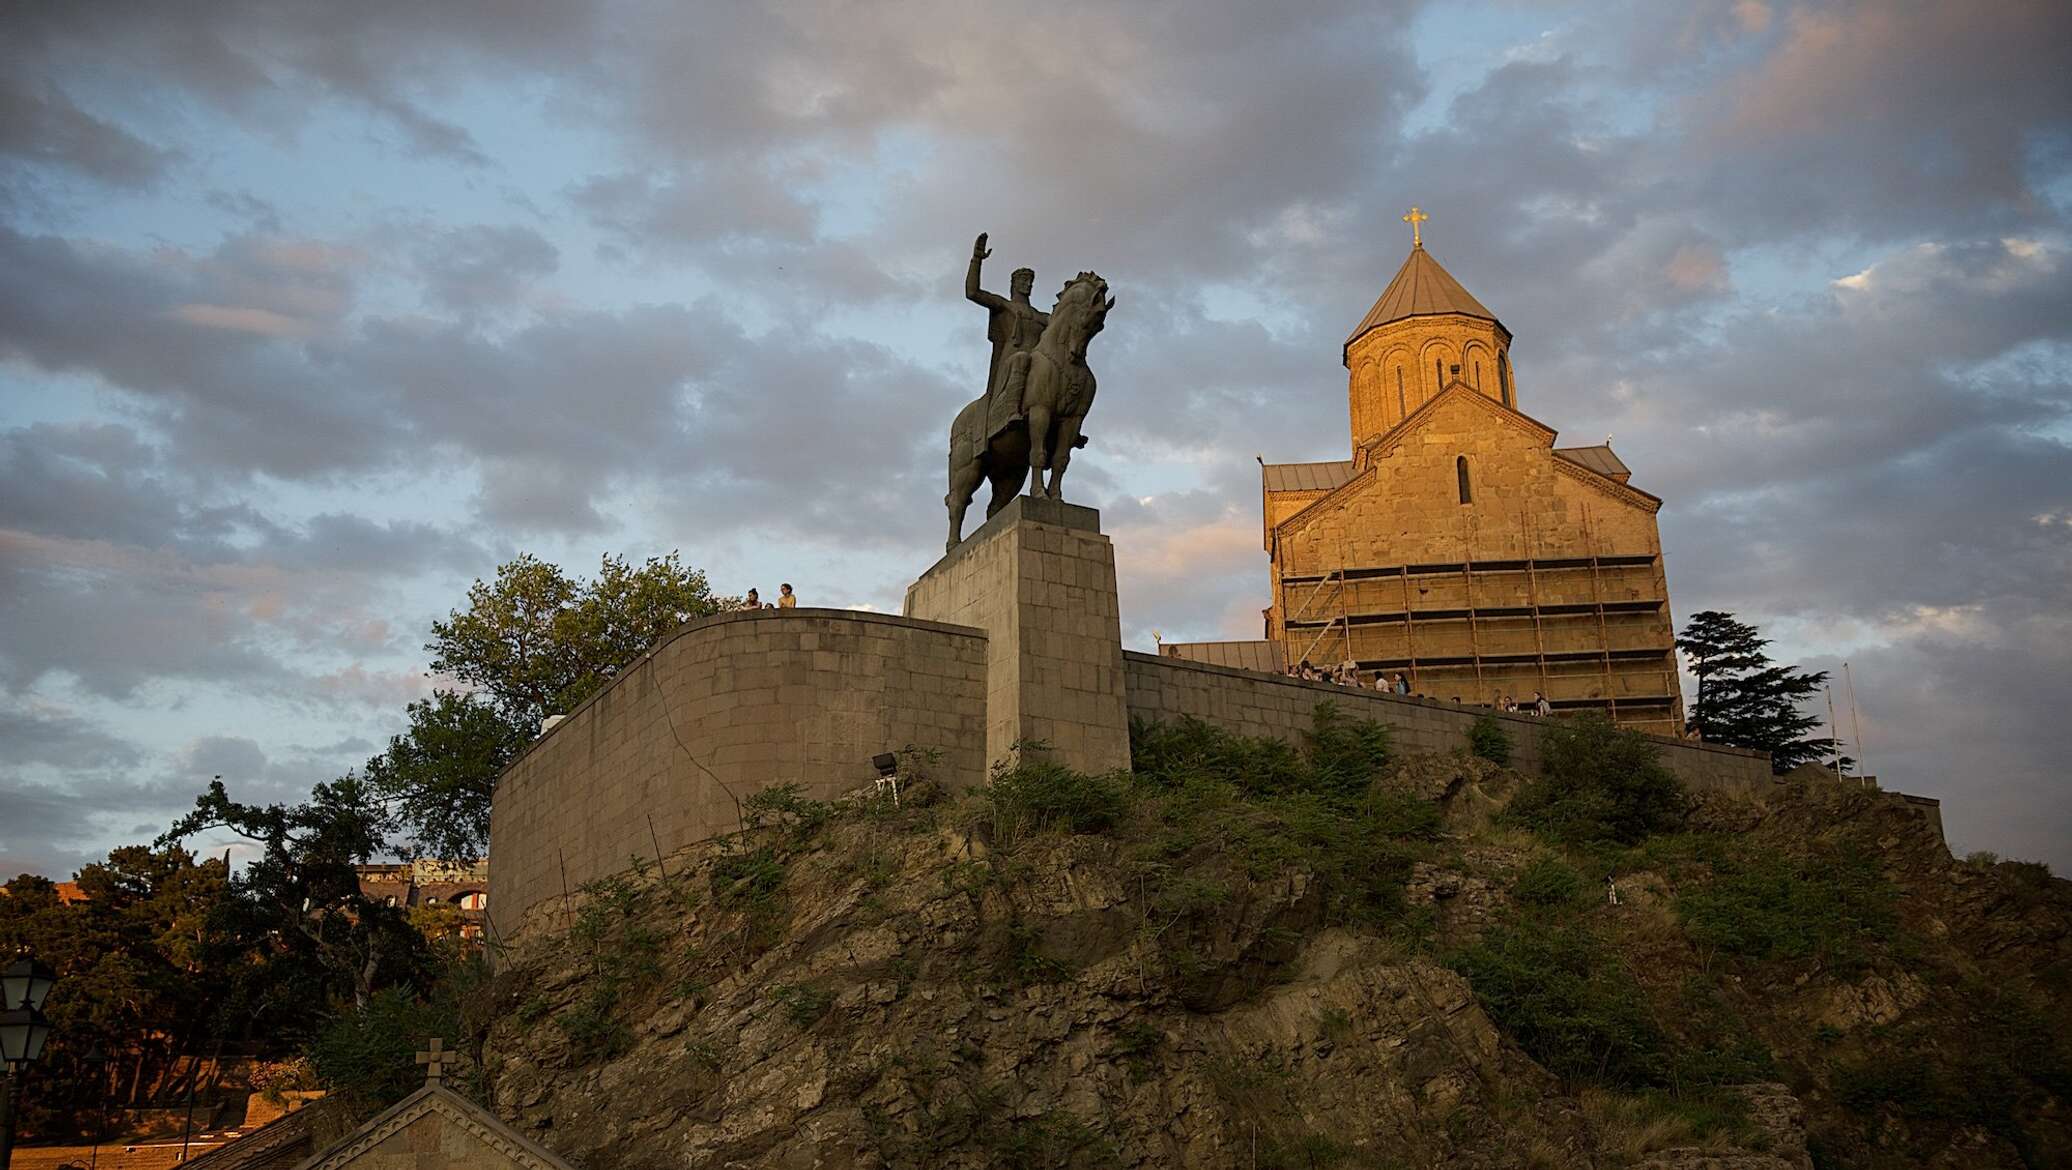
25	984
97	1061
23	1029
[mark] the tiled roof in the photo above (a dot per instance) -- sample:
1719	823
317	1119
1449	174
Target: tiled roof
1598	459
1306	477
1421	288
279	1143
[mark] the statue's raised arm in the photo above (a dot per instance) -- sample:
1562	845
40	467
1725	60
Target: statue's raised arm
972	292
1012	323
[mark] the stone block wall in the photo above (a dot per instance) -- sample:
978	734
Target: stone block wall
1039	578
720	709
1261	704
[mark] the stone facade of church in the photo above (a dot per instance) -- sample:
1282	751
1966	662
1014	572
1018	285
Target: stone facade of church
1459	545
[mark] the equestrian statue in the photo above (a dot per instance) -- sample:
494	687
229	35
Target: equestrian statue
1038	390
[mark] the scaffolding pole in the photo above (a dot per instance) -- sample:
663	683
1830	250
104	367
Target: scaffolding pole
1467	581
1532	592
1409	626
1343	614
1604	637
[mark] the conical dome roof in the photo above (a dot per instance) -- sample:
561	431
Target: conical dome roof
1421	288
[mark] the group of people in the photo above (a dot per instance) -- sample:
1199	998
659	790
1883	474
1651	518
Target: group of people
1347	674
1537	705
785	599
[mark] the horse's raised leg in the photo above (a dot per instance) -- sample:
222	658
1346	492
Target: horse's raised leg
964	480
1039	444
1068	439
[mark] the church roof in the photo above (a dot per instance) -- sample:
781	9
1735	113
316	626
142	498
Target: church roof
478	1141
1421	289
1598	459
1306	477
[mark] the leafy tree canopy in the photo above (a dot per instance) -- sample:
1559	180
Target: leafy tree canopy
296	911
537	641
1745	700
532	643
133	958
437	777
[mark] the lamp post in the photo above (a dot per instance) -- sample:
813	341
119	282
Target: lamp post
97	1060
23	1029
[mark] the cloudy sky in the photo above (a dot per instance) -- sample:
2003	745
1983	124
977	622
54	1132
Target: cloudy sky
310	313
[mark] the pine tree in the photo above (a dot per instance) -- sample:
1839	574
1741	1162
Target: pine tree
1744	699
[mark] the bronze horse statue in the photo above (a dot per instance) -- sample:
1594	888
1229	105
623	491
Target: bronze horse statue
1029	418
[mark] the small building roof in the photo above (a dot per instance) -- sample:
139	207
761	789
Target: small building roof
435	1129
1306	477
1598	459
1259	654
1421	288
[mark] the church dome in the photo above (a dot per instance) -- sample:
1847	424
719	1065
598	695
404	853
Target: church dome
1422	288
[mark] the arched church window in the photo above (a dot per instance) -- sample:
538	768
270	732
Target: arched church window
1478	375
1438	374
1503	380
1402	404
1460	471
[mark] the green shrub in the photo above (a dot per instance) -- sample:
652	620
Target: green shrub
748	879
1345	755
1340	756
2010	1062
1556	991
1770	906
1193	751
1488	739
1038	795
593	1031
1547	882
802	1005
1600	783
368	1055
785	804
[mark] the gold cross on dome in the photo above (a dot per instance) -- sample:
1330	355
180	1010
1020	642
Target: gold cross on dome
1413	219
1416	218
434	1061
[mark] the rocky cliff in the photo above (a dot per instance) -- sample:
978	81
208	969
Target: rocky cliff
1246	956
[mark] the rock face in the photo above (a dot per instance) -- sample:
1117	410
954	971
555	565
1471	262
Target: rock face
877	987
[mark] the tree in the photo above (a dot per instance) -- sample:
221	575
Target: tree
537	642
310	938
533	643
138	961
1744	699
438	776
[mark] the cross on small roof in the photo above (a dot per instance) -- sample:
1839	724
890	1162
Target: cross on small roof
1415	218
434	1060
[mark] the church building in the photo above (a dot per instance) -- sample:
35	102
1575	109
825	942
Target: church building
1459	545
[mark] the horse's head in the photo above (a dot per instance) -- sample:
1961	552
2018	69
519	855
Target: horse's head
1081	311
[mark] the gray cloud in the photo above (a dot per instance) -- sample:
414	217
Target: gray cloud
62	740
46	127
468	269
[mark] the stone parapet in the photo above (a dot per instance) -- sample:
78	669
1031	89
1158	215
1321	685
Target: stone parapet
1251	703
720	709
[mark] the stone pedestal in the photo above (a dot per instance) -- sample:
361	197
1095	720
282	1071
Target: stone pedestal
1039	579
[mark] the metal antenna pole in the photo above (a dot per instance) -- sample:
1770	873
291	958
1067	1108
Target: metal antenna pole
1855	725
1833	743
